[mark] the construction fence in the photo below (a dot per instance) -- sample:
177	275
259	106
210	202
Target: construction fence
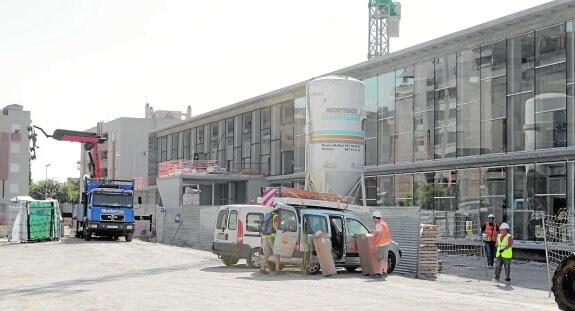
460	249
559	240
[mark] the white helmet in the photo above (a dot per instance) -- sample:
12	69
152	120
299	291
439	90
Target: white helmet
491	216
377	214
504	226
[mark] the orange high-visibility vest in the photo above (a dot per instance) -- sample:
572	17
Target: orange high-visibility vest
385	236
491	233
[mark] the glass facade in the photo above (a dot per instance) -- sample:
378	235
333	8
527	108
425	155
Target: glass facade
509	96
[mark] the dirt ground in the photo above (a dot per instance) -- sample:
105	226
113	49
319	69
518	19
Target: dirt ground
73	274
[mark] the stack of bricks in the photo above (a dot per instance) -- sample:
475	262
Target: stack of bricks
428	252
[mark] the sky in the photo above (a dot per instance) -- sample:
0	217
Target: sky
72	63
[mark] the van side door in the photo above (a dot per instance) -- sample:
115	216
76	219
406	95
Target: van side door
355	228
313	223
287	232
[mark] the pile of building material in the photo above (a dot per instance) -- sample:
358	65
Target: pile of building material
428	251
286	192
191	196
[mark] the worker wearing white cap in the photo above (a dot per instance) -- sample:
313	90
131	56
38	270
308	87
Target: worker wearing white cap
381	239
504	253
489	231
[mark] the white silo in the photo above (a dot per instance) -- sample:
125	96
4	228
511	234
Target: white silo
335	151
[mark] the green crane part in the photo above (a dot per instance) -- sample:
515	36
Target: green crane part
393	8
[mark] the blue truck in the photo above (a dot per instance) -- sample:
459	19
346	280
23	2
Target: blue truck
106	209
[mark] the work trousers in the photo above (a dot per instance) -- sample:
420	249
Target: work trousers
500	261
490	252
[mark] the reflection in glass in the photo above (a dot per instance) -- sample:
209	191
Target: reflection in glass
493	59
493	193
468	131
468	189
551	43
468	76
521	64
519	136
403	187
386	194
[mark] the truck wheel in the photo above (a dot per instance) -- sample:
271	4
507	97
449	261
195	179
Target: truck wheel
87	235
391	262
563	284
129	237
230	260
254	260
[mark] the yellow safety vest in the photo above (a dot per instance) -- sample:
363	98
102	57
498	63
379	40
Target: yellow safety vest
501	244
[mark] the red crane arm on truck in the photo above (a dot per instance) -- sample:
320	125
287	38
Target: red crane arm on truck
90	141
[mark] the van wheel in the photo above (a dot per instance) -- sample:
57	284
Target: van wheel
312	268
230	260
391	262
254	259
350	269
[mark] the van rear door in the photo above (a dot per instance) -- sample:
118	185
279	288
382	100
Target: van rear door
288	231
221	231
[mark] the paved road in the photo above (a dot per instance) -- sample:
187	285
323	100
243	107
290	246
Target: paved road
102	275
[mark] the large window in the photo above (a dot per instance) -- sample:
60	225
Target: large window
403	187
299	134
570	28
386	193
423	111
493	193
386	117
468	189
445	191
493	115
468	110
404	115
370	123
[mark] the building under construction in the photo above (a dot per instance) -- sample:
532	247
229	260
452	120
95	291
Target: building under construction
482	119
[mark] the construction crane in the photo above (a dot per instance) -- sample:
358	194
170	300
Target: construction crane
384	16
89	139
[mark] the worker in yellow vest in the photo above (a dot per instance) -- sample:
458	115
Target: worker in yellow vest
504	253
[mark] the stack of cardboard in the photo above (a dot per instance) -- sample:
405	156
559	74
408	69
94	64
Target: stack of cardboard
428	252
367	254
322	246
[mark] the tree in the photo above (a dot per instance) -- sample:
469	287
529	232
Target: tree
67	192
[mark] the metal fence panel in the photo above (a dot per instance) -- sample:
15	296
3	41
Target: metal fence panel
404	225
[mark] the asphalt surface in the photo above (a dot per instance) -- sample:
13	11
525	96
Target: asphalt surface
74	274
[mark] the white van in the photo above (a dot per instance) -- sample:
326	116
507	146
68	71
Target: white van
237	234
296	223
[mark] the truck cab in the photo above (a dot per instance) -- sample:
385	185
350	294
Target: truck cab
106	209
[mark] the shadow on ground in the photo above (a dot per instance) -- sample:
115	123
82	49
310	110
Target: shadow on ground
70	287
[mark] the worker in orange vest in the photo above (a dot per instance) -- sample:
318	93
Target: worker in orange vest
489	232
381	240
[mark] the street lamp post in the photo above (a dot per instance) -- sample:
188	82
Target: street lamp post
46	186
